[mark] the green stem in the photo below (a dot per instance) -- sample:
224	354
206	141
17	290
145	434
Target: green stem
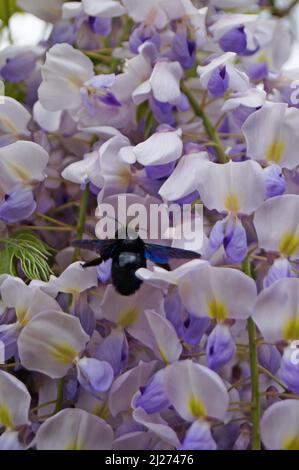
59	400
209	128
51	220
99	57
46	228
255	393
265	371
82	219
7	13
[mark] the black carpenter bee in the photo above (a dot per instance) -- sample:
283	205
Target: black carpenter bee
130	253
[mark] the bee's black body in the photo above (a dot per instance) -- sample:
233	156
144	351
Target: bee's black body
129	253
128	256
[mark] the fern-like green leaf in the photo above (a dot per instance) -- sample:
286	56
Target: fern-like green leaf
32	254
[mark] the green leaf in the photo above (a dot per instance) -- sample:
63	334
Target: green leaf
7	9
31	253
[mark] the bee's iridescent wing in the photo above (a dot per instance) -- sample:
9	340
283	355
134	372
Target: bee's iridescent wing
102	247
162	254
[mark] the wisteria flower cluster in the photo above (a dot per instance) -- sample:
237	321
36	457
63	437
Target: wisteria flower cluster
158	101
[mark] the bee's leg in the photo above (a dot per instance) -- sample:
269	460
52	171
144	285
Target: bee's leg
164	266
92	263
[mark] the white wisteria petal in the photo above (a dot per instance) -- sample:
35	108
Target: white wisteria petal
59	94
14	401
14	118
104	8
48	120
271	135
22	163
125	311
136	71
276	312
9	440
160	148
229	21
165	81
217	294
71	10
195	391
74	429
148	11
106	132
112	169
205	71
74	280
251	98
277	224
230	186
64	73
280	426
80	172
126	385
157	425
162	338
184	179
181	8
51	342
160	277
29	302
141	93
238	81
47	10
228	3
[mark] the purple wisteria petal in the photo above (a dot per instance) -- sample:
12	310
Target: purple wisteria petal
218	82
269	357
275	181
18	68
152	397
198	437
289	369
220	347
95	376
234	40
18	205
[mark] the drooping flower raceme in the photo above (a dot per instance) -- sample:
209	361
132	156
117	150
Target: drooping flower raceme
178	104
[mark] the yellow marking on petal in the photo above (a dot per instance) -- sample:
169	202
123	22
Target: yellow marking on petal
22	316
74	446
125	175
64	353
232	203
8	125
217	310
275	151
196	407
291	443
75	80
291	329
262	58
102	411
289	244
5	417
74	292
128	318
19	171
185	289
163	355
